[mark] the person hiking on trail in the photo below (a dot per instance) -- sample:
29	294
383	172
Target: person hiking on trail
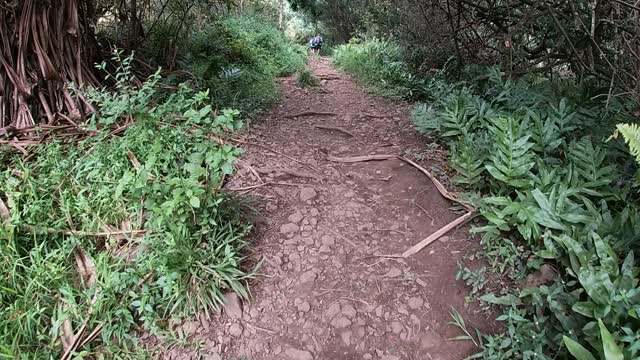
316	44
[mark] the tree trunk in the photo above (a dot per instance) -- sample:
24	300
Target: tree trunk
45	46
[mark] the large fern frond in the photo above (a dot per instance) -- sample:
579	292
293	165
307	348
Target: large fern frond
631	135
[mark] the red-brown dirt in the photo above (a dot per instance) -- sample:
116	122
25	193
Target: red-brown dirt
322	293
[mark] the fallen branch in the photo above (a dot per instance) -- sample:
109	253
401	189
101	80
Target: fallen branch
291	172
249	187
336	129
310	113
377	116
356	159
32	228
276	152
443	191
436	235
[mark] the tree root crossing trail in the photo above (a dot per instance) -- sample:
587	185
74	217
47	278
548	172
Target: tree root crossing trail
323	290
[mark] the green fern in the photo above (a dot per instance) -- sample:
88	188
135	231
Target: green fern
426	120
590	175
511	161
467	158
631	135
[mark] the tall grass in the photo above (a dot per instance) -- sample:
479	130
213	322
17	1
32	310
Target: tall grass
382	65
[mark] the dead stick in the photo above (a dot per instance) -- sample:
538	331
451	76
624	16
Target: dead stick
437	183
276	152
377	116
436	235
336	129
356	159
249	187
310	113
83	233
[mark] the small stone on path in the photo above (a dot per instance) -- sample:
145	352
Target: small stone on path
296	217
394	272
415	303
308	276
340	322
232	305
289	228
307	194
236	330
295	354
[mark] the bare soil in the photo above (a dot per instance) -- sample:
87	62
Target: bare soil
322	293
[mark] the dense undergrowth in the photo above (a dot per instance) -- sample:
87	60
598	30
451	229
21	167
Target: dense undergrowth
128	231
238	60
553	190
383	65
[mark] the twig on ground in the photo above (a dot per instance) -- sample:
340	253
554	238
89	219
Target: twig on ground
261	329
310	113
251	169
346	132
83	233
377	116
276	152
388	230
342	237
249	187
436	235
355	159
292	172
438	184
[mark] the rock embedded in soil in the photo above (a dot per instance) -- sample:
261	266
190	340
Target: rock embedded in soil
327	240
289	228
340	322
308	276
393	273
295	354
396	327
415	303
307	194
349	311
296	217
232	305
236	330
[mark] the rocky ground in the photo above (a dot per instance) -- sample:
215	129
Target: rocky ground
323	290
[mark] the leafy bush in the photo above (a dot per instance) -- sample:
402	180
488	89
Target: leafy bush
120	232
382	64
555	193
238	59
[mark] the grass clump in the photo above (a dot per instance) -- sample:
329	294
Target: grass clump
382	65
306	79
175	238
553	192
238	59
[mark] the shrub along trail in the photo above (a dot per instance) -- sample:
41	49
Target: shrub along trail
322	293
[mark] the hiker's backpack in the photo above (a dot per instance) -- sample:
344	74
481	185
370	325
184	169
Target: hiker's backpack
316	41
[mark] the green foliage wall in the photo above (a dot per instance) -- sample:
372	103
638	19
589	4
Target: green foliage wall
552	192
239	58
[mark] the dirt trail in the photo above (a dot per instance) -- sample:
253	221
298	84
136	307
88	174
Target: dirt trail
322	293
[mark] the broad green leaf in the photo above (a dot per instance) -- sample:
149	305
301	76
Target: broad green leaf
578	351
611	349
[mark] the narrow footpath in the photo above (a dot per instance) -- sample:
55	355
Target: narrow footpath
322	291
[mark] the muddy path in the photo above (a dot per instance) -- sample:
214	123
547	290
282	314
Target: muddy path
322	292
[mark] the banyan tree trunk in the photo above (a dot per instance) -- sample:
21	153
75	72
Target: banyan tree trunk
45	46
